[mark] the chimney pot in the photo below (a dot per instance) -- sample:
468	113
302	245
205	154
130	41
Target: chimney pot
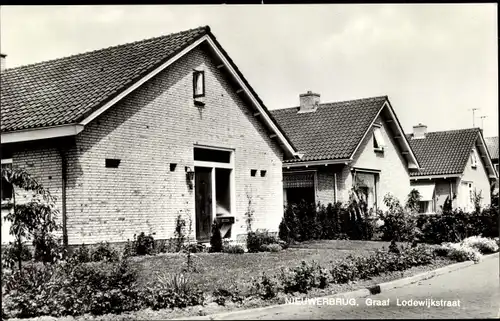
309	101
419	131
2	59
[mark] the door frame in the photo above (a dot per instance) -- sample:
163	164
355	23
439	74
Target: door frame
213	166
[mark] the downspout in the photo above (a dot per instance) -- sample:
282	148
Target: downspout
62	152
334	187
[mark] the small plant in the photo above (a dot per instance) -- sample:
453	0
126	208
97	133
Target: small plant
270	247
104	252
144	244
250	213
221	296
215	239
265	287
10	255
233	249
300	279
256	240
82	254
180	233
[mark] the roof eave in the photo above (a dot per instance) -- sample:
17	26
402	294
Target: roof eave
41	133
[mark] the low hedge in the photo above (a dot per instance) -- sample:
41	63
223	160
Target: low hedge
97	288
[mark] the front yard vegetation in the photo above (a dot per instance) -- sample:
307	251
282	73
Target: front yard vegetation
318	248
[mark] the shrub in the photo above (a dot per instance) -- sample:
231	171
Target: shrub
459	252
145	244
216	238
10	255
171	291
180	232
233	249
195	248
399	224
270	247
300	279
482	244
166	246
104	252
255	240
265	287
82	254
221	296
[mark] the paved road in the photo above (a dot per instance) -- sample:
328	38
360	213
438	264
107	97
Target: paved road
477	288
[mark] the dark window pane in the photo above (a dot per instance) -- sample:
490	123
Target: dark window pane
212	155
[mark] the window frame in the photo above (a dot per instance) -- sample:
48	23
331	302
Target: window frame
5	201
197	73
378	143
474	158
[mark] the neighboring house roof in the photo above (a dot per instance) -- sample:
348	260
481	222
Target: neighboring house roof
334	130
492	144
446	152
73	89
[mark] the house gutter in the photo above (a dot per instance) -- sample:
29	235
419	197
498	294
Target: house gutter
64	166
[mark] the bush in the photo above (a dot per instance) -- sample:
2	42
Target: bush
82	254
270	247
233	249
265	287
459	252
144	244
11	253
482	244
300	279
221	296
215	239
104	252
255	241
399	225
195	248
166	246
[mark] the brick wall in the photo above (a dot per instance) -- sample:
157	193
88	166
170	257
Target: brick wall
154	126
42	160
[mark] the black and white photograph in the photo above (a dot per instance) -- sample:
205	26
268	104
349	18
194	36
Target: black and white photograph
249	161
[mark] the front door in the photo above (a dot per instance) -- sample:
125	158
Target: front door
203	195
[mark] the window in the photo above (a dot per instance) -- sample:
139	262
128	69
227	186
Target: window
473	158
299	187
496	167
198	84
212	155
6	188
378	139
367	185
427	194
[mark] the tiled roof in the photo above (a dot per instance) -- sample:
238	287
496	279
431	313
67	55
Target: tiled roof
331	132
441	153
66	90
492	145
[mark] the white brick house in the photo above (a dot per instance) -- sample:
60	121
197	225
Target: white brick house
343	143
129	137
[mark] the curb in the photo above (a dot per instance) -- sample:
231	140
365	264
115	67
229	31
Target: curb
376	289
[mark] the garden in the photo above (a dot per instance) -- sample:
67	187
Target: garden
319	250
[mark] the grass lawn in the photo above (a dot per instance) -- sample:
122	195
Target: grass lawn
227	270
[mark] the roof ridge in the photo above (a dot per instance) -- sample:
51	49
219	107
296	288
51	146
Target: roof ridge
454	130
328	104
206	28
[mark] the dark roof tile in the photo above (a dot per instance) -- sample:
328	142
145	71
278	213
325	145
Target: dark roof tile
63	91
445	152
331	132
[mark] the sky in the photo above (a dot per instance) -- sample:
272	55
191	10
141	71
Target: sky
435	62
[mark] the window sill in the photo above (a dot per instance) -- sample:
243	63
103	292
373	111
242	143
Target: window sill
199	102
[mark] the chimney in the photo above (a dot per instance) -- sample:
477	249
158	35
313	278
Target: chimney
2	57
419	131
308	101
